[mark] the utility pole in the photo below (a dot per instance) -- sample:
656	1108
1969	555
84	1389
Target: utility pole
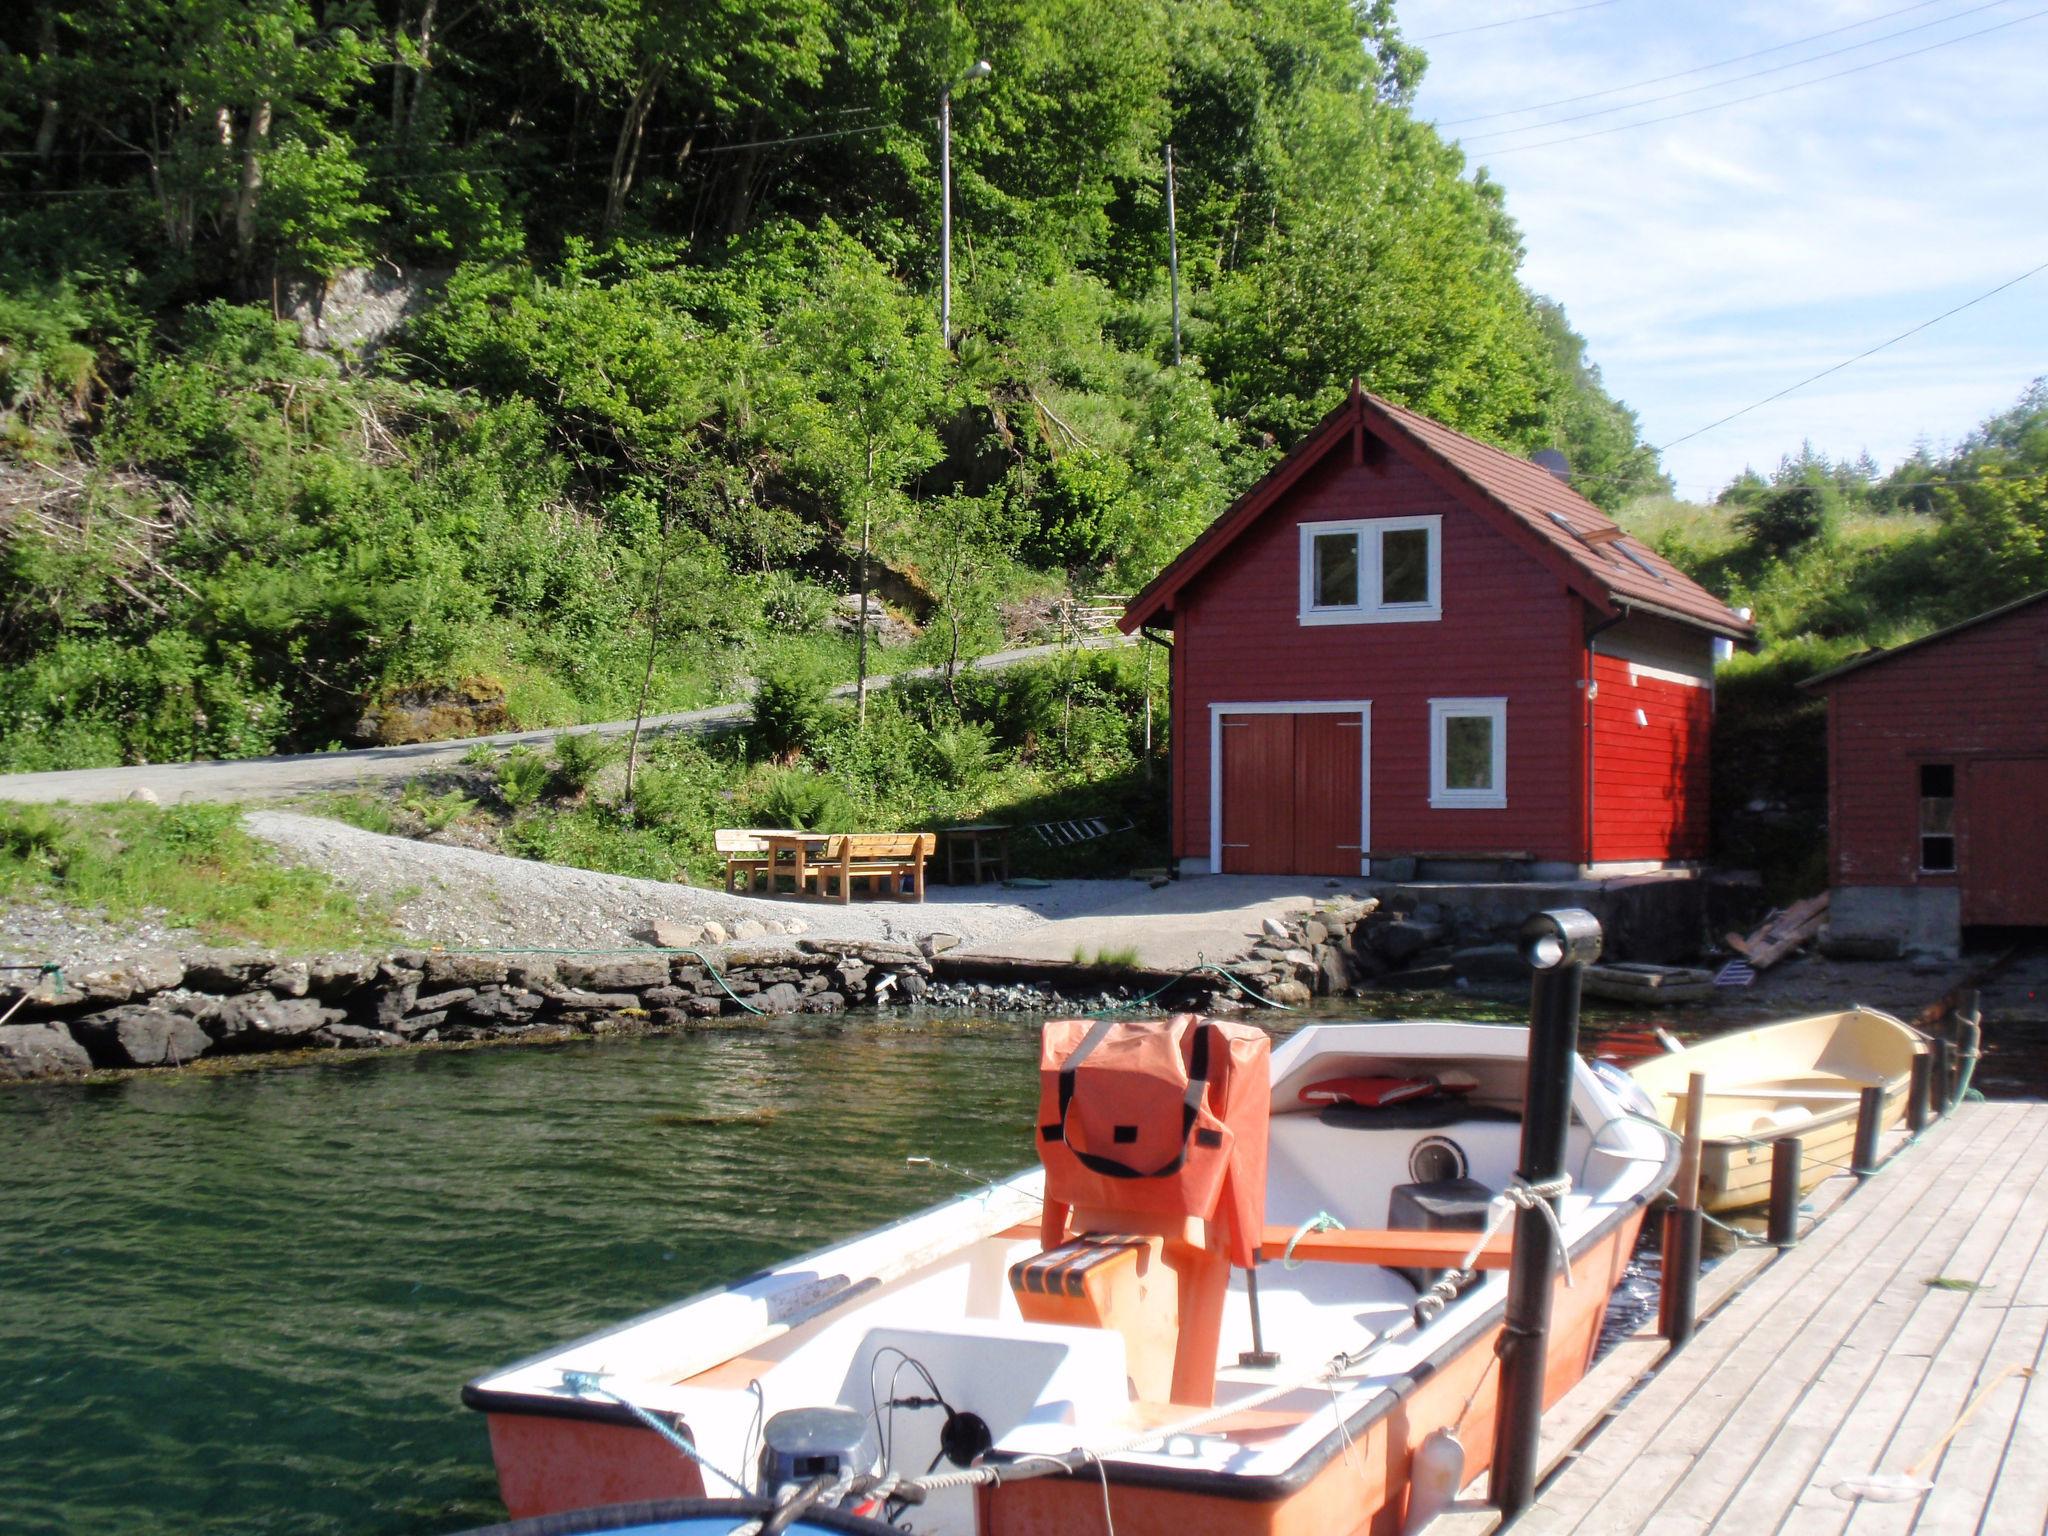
1173	252
980	70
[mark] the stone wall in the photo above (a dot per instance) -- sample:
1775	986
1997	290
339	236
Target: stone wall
165	1010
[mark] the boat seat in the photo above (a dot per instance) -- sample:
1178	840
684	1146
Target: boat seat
1113	1281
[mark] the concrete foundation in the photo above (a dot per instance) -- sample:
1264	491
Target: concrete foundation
1870	922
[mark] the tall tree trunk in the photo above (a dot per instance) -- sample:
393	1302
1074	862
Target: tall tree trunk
860	686
255	143
626	153
424	38
647	676
46	128
741	205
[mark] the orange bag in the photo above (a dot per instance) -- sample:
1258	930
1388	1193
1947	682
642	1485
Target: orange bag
1161	1116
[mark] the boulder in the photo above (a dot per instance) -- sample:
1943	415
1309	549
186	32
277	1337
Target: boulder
474	707
329	974
256	1021
935	944
665	997
392	974
138	1035
824	1002
748	929
851	974
466	970
441	1000
40	1050
1273	928
910	986
142	794
496	1005
575	999
1403	939
229	970
137	976
780	998
290	978
393	1004
1289	994
714	933
1315	931
1333	974
756	957
536	973
420	1026
672	935
614	975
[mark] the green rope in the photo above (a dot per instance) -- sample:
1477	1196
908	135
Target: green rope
1196	969
641	949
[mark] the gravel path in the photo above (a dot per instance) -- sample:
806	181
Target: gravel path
463	896
277	778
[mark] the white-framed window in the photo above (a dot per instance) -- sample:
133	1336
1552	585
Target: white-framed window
1468	753
1379	570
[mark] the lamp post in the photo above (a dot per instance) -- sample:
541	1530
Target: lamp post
981	69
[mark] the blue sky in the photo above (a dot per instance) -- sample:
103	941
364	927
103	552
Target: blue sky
1714	259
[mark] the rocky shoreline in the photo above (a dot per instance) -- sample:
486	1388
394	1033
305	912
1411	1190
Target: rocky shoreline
161	1009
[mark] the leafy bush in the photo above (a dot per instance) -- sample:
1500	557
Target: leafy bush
523	776
370	812
33	835
579	758
962	753
788	713
437	812
808	802
790	605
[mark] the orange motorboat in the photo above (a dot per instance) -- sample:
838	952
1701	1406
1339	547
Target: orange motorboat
1244	1286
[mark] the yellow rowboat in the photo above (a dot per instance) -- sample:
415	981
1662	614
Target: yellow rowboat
1803	1078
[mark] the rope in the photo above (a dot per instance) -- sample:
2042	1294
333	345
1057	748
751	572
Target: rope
588	1384
1322	1221
1200	966
1524	1196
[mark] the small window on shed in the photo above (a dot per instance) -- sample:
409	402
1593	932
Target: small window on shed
1336	573
1468	752
1938	818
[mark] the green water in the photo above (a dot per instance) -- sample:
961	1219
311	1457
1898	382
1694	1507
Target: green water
246	1302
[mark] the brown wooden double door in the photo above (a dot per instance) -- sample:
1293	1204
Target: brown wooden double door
1293	793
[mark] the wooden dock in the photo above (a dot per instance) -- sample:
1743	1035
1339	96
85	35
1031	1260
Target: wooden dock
1909	1311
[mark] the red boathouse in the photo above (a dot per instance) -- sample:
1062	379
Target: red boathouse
1403	644
1938	785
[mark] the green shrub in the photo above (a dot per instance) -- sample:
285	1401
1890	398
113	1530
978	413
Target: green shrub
523	776
789	713
579	758
33	835
790	605
808	802
370	812
439	812
961	754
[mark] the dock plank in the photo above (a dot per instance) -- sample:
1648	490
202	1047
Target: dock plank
1713	1420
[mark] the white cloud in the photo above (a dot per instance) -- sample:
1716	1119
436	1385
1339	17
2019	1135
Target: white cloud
1713	260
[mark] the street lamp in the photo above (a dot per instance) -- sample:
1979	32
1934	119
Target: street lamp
980	70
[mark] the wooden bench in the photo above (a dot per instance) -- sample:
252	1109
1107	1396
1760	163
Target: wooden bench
893	858
749	864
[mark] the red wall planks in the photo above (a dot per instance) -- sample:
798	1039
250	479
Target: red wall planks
1509	629
1650	789
1979	694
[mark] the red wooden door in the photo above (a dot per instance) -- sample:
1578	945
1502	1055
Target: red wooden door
2005	861
1328	790
1258	794
1293	790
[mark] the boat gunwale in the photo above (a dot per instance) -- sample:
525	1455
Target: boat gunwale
1246	1487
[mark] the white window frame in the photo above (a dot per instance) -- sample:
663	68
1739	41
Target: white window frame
1441	795
1369	532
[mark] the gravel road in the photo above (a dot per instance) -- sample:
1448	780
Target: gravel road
276	778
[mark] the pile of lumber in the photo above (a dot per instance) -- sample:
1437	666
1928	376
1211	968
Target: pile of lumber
1780	932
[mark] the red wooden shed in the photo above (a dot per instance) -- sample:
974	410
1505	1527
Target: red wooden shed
1938	784
1404	644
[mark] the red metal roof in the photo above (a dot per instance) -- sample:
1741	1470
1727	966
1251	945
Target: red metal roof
1610	568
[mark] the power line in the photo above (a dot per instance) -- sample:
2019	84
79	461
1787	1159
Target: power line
1755	74
1859	357
1697	69
1488	26
1736	101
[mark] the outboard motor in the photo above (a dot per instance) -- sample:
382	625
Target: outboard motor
1153	1137
800	1445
